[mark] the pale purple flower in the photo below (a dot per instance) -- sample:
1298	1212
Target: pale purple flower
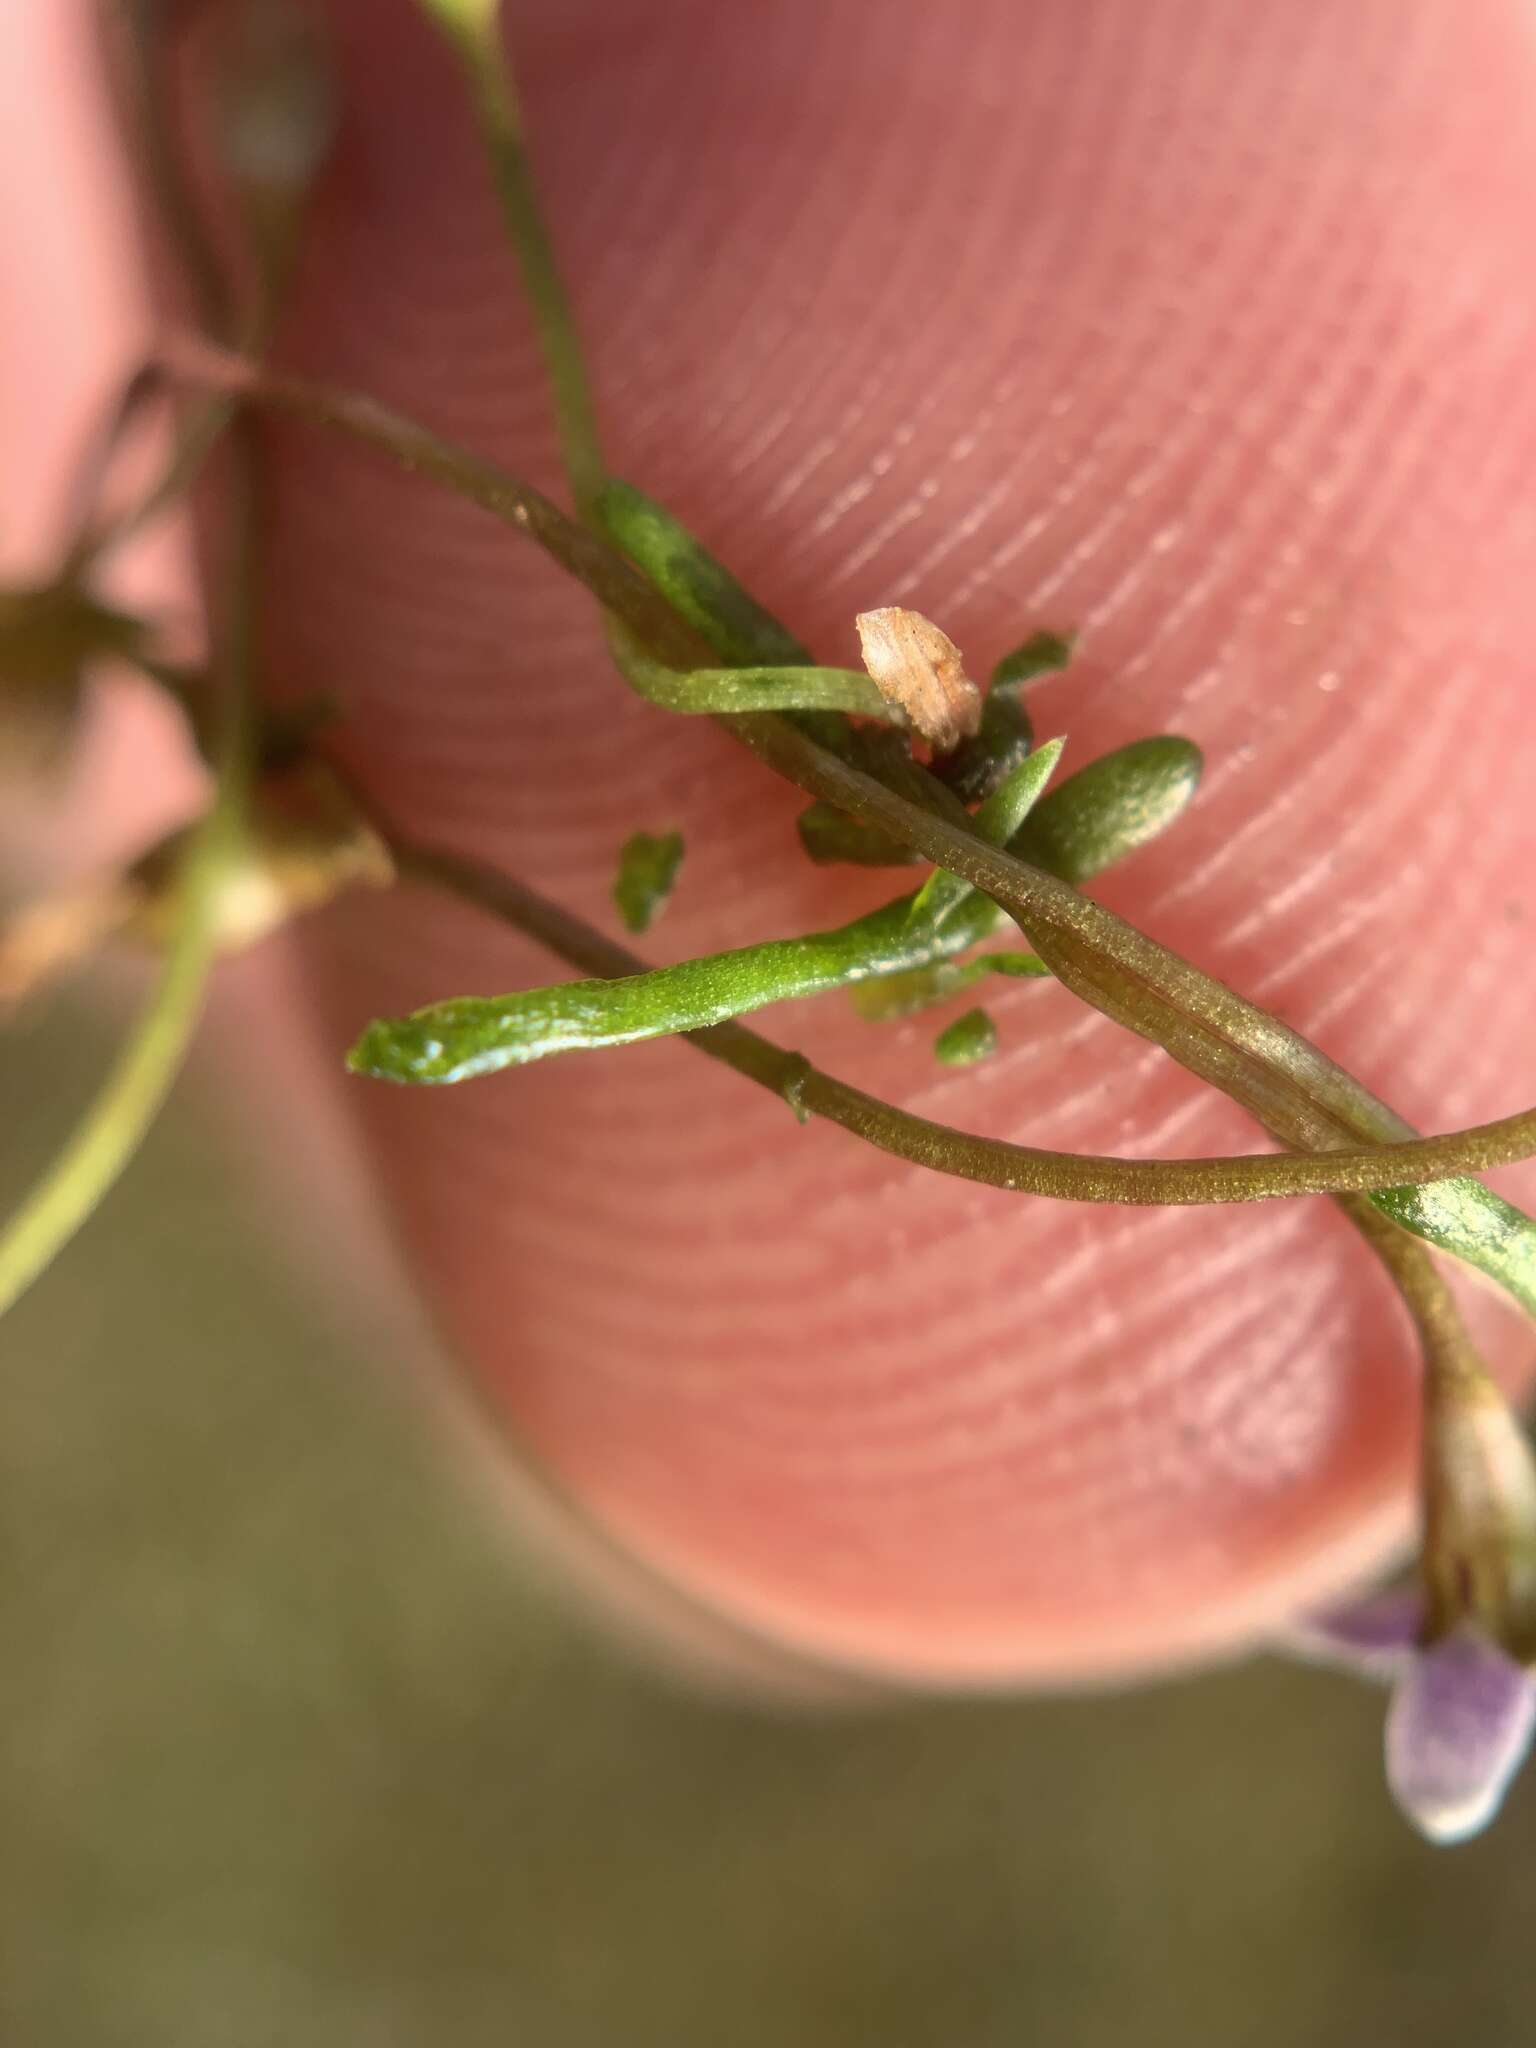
1462	1711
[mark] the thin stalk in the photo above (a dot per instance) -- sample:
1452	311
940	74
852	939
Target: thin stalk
616	584
141	75
115	1125
476	35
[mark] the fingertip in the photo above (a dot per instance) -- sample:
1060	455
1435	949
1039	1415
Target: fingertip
1187	383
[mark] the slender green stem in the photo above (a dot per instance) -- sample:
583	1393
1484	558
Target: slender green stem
475	33
114	1126
110	1133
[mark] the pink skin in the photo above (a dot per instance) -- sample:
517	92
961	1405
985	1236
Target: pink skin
1205	330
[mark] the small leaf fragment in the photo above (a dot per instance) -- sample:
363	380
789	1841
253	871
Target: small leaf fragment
970	1038
1037	656
919	670
648	866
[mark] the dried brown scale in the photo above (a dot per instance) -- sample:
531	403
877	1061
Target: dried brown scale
918	668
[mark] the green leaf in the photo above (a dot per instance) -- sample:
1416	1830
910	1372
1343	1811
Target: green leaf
1038	655
647	871
1111	807
1473	1223
694	583
716	691
970	1038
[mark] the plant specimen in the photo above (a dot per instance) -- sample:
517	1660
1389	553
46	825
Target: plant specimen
906	762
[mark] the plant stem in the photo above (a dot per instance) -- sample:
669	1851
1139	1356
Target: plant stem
616	584
139	48
113	1128
476	37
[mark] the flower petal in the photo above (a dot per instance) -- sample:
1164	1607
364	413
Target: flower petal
1458	1729
1377	1636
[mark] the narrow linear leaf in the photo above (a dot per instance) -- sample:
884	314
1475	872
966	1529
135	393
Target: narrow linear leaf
891	996
468	1036
735	691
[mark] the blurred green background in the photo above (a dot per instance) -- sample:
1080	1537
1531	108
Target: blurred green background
296	1752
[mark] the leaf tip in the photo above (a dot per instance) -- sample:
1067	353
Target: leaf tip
648	865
